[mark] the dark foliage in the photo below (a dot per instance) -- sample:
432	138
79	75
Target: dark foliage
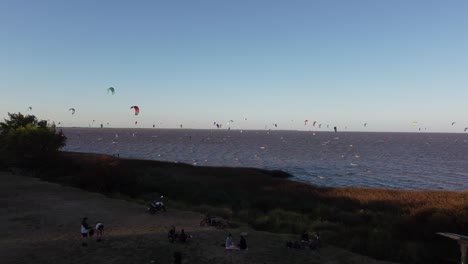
25	140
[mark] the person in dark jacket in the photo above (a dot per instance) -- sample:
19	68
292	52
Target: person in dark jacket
242	243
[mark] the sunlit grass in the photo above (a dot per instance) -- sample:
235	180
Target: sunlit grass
395	225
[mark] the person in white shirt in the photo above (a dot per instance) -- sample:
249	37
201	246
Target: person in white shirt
85	231
229	243
99	231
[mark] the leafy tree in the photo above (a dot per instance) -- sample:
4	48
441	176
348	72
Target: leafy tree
27	138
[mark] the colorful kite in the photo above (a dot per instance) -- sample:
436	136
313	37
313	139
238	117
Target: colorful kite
136	108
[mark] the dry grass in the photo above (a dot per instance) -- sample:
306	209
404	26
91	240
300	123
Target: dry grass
387	224
39	222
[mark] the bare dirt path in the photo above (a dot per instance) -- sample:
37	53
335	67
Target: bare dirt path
40	223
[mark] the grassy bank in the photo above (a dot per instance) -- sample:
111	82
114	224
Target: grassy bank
385	224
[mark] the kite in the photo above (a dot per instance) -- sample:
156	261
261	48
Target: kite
466	128
73	110
137	109
111	89
30	108
453	123
315	122
305	122
320	125
414	123
365	124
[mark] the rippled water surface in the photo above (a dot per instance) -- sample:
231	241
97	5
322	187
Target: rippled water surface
390	160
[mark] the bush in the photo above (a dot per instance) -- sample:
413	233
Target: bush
25	139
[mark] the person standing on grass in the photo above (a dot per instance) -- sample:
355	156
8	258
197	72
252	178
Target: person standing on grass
85	231
99	231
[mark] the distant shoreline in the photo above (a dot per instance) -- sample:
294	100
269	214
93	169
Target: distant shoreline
262	130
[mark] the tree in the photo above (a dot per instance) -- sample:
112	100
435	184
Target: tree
25	137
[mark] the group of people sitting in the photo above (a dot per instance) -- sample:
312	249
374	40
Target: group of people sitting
173	236
305	241
242	243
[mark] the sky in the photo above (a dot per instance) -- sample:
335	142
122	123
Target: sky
338	62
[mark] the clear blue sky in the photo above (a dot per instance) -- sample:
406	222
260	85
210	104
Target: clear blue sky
342	63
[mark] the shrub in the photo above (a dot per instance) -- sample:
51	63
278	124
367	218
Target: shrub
25	139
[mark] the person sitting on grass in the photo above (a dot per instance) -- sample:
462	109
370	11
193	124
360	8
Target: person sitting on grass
242	243
182	237
172	235
229	243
